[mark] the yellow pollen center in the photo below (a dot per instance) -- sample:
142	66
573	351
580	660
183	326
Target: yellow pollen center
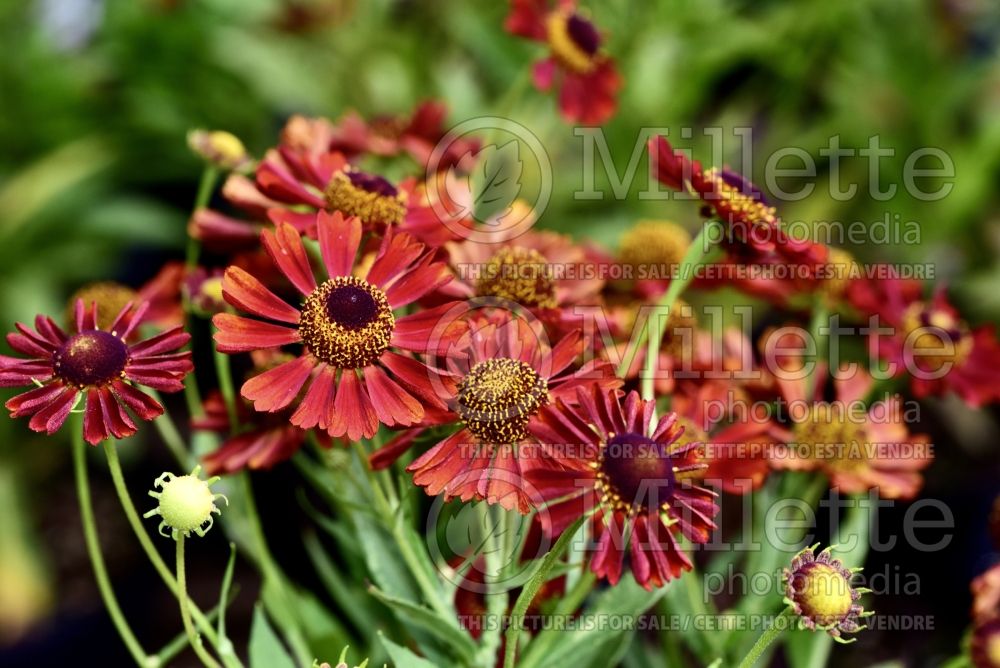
371	204
346	322
653	243
731	203
823	593
498	397
835	439
521	275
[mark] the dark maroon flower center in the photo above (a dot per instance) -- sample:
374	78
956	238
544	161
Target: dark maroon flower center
372	183
637	471
351	306
584	34
91	358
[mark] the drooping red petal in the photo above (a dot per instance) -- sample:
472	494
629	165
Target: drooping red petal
172	339
237	334
247	293
50	418
356	416
431	386
339	239
284	245
143	405
276	388
316	406
392	404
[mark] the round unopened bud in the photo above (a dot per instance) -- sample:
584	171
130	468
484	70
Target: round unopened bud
819	589
186	503
220	148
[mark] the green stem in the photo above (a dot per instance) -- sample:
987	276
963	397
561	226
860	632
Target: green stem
821	317
182	599
114	466
272	574
208	178
531	588
225	377
94	552
781	622
652	333
170	434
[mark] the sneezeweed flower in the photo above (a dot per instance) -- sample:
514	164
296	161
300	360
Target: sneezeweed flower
639	478
932	343
97	364
818	588
857	449
347	326
754	230
586	77
185	503
651	250
502	375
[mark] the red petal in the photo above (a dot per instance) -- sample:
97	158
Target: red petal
143	405
276	388
50	418
339	239
315	407
355	415
284	245
237	334
244	291
392	404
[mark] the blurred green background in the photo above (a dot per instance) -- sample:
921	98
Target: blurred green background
96	181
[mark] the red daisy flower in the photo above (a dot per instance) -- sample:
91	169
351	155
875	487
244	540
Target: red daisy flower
587	79
502	374
931	342
96	363
755	234
640	481
347	327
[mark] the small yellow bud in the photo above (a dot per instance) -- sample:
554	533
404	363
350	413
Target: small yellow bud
220	148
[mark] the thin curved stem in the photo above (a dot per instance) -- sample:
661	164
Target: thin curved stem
531	588
781	622
94	552
652	333
182	599
204	625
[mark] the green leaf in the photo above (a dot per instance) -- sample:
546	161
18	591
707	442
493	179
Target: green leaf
496	180
266	650
402	657
426	619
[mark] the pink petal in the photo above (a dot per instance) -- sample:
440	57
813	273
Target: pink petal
247	293
392	404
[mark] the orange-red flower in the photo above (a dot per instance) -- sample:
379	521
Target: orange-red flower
586	77
347	326
502	375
